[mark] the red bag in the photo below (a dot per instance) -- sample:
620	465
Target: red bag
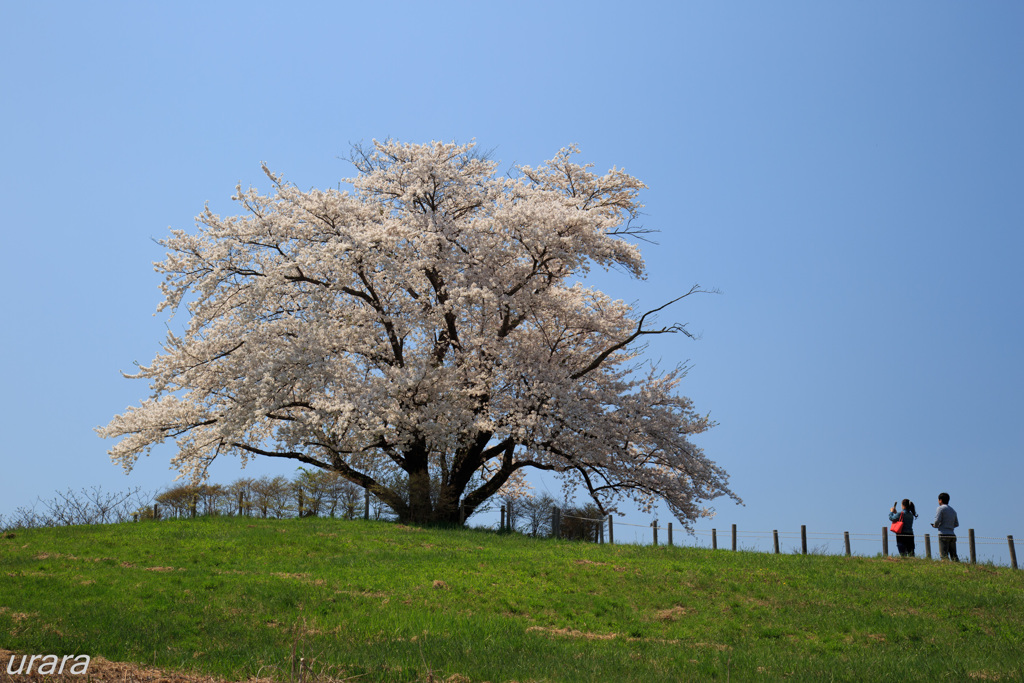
897	526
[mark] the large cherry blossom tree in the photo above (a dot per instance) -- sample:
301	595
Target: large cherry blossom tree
427	336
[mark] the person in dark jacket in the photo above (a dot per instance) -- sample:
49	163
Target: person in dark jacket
946	521
905	539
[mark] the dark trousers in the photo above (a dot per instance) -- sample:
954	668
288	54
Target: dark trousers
947	547
905	544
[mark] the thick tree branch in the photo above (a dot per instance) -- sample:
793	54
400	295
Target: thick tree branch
640	331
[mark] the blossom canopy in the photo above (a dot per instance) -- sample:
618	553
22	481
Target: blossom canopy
426	336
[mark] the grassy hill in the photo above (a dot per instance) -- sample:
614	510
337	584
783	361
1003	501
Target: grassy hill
241	598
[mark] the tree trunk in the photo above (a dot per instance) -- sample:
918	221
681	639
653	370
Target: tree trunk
446	511
420	507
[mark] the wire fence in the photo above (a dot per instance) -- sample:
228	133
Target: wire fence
95	506
602	529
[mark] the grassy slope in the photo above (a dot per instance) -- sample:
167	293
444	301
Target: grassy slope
240	597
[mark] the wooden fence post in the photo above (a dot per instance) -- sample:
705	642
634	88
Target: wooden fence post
611	531
714	539
654	525
670	533
846	541
928	546
970	541
775	539
803	539
241	501
301	503
885	541
366	505
1013	552
502	527
195	502
734	538
156	512
556	522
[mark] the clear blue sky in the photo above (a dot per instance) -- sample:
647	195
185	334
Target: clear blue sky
849	175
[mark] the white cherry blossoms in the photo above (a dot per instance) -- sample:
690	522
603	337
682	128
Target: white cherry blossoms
426	336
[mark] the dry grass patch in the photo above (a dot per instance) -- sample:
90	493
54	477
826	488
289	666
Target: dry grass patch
572	633
671	614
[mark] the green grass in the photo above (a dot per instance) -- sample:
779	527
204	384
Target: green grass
236	597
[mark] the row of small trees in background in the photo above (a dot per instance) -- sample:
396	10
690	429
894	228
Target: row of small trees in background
325	494
309	494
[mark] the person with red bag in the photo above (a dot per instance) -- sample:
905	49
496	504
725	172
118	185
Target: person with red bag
903	527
